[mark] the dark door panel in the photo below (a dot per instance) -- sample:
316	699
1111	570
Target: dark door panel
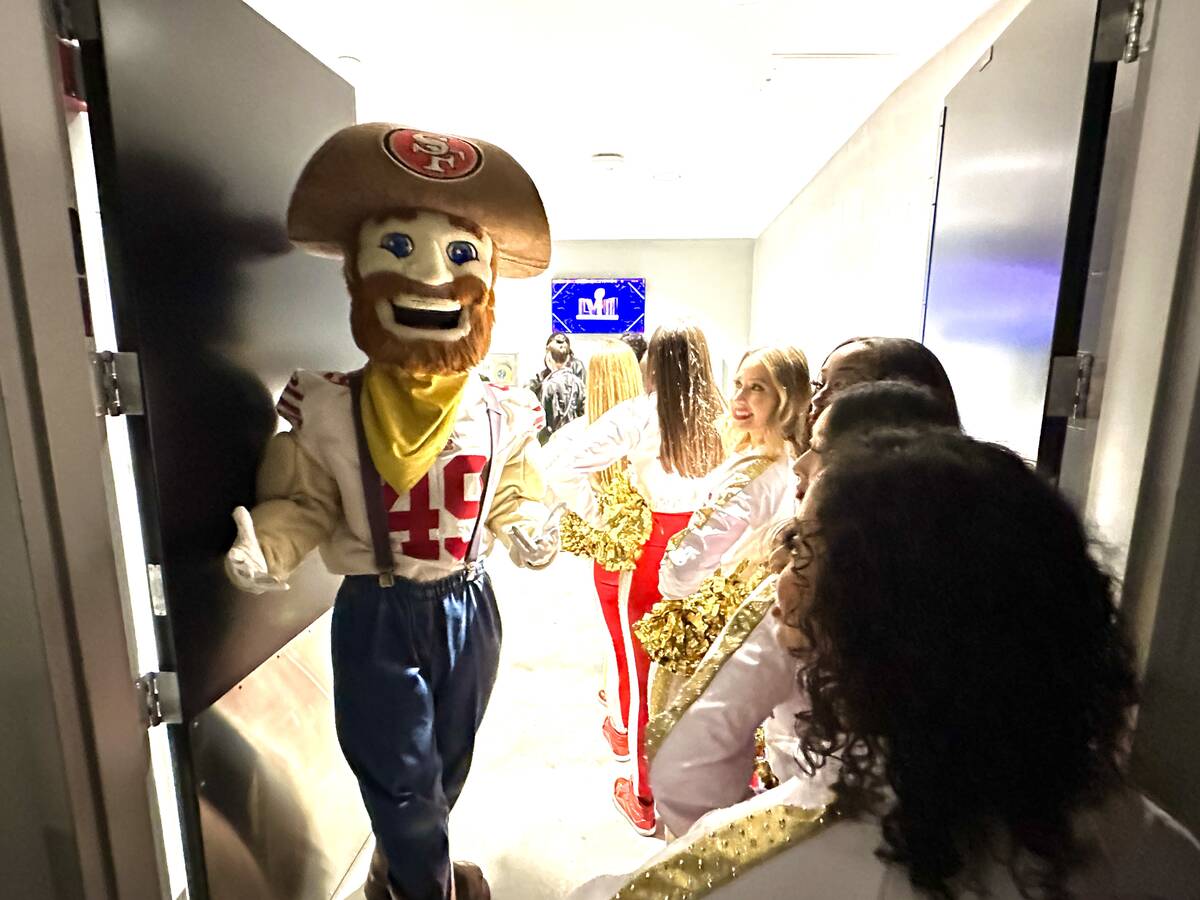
202	116
206	117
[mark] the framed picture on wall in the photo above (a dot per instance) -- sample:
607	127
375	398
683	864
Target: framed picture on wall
500	368
598	305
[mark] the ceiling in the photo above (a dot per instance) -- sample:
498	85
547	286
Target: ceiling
722	109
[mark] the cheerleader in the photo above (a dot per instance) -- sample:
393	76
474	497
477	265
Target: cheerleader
722	554
614	376
671	440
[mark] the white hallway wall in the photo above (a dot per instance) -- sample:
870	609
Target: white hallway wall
708	282
848	254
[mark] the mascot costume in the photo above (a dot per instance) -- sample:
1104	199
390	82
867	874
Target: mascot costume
403	471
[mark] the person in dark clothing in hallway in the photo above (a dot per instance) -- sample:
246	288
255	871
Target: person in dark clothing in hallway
558	341
636	342
562	392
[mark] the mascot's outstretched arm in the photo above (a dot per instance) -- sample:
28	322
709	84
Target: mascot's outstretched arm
298	507
518	517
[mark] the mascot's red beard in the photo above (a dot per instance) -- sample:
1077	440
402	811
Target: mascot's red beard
440	357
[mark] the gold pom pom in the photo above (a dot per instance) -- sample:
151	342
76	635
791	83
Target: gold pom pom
762	766
618	545
677	633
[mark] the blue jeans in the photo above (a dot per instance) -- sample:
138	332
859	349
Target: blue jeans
413	668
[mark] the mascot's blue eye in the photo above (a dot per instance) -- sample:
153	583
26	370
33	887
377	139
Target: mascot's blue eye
461	252
399	245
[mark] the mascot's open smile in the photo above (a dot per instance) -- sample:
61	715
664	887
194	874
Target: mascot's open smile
413	310
430	315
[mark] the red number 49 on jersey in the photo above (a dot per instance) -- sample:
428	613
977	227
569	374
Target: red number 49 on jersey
436	518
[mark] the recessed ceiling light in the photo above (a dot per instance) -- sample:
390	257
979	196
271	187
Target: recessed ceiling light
608	162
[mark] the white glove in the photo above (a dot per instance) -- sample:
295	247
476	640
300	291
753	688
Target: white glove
536	553
244	563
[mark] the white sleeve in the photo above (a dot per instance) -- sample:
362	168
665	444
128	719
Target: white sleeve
608	440
703	547
706	759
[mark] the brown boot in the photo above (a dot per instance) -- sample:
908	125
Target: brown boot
469	883
376	887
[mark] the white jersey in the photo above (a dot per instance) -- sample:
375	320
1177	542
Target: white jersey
627	431
1140	853
431	525
752	499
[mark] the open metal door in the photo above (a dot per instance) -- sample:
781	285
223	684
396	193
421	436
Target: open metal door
202	115
1022	156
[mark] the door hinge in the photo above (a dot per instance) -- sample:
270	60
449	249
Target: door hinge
118	383
1070	385
159	692
1133	30
1119	29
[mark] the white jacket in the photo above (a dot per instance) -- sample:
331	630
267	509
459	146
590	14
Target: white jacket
751	500
779	851
706	757
628	430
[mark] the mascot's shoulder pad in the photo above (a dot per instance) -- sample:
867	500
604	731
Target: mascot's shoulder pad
310	391
521	408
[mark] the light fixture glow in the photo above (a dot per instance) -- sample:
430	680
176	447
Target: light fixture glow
608	162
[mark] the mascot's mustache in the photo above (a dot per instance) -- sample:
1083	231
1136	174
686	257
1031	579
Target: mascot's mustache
468	290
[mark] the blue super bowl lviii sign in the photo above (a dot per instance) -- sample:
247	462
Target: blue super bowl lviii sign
598	305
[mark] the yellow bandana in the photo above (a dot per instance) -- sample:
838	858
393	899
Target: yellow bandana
408	418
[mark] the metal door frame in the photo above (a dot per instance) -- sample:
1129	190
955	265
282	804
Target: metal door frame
57	446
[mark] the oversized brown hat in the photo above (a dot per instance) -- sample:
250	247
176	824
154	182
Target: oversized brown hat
368	170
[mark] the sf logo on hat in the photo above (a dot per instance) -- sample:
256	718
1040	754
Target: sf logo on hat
432	155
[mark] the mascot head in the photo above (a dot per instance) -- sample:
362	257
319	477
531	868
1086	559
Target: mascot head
424	223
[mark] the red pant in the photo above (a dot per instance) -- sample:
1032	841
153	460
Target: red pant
624	598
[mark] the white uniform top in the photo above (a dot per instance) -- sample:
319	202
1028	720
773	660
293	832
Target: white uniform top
738	523
1141	853
628	430
561	442
705	761
430	527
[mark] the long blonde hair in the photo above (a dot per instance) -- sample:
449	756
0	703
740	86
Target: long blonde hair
679	368
613	376
787	370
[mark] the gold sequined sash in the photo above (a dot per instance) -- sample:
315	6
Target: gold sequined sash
740	476
743	621
721	855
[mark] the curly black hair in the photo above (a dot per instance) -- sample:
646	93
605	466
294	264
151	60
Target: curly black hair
969	668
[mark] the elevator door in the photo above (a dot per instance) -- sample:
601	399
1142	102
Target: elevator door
1017	194
202	116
